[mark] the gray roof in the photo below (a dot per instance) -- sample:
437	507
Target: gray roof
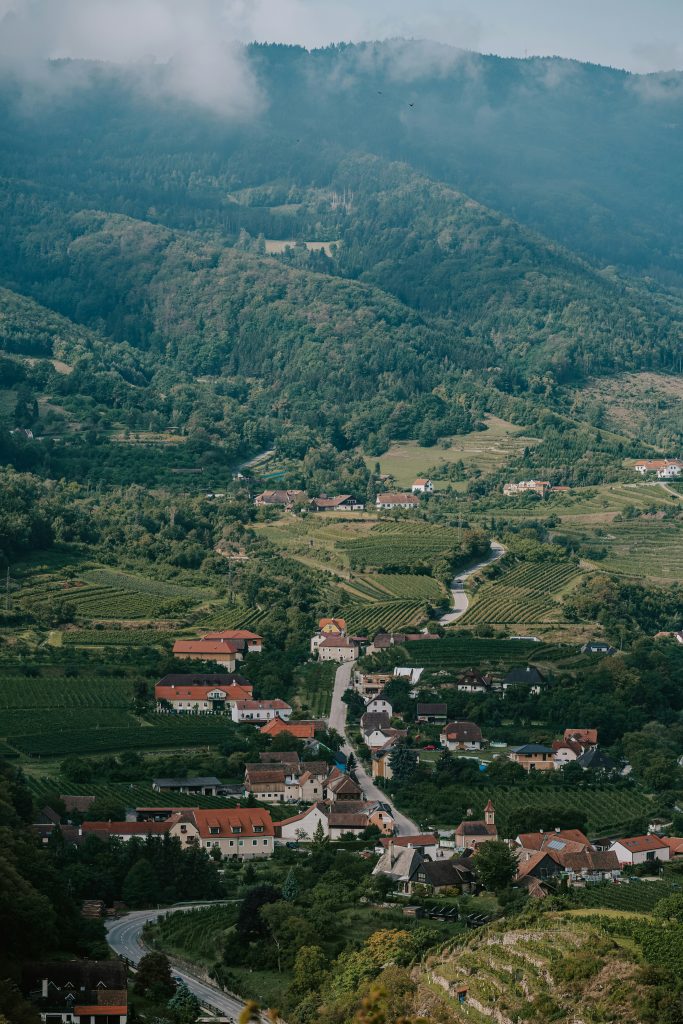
201	780
398	863
531	748
444	872
594	758
528	675
432	709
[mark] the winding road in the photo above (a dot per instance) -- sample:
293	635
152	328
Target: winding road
124	935
337	721
460	598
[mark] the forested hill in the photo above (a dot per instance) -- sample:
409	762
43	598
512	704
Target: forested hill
589	156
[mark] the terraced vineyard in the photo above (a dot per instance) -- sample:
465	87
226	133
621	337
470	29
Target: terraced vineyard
235	618
377	615
116	638
645	547
398	544
526	594
105	593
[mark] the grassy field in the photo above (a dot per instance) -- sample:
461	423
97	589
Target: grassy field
524	595
485	450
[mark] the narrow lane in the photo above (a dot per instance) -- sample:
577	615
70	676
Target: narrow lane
460	599
337	720
124	935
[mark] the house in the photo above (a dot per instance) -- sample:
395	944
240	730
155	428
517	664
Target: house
461	736
594	759
302	827
470	834
275	781
242	832
77	991
303	730
23	432
341	503
401	499
565	751
370	684
205	785
398	863
428	842
222	652
527	675
126	830
240	638
526	487
379	738
665	469
675	847
379	704
372	721
533	757
336	627
598	647
196	699
381	759
579	863
354	817
640	850
422	486
439	876
586	737
342	788
335	648
258	711
570	840
432	713
286	499
472	681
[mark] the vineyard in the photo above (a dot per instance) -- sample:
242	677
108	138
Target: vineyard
116	638
608	809
459	652
57	691
235	617
638	897
105	593
96	735
198	934
641	547
528	593
314	688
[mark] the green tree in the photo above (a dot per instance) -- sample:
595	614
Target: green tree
403	763
319	838
496	865
184	1006
153	977
670	908
140	887
290	888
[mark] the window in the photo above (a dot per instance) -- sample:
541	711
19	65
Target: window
236	828
258	828
265	842
241	842
254	842
232	842
214	830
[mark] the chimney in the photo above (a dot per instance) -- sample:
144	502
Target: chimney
557	829
43	988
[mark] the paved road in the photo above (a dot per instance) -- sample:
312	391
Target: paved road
124	937
337	721
460	598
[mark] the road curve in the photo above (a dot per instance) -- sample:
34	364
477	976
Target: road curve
337	720
124	935
460	598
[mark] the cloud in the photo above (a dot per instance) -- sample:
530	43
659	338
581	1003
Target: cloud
188	50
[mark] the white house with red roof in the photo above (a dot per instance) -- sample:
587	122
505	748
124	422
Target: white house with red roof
195	699
461	736
399	499
423	485
252	641
334	647
640	850
259	711
221	652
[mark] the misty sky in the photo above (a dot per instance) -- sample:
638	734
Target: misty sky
641	35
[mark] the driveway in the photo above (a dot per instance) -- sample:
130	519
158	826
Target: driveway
337	721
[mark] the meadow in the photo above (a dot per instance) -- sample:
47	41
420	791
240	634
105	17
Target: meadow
484	450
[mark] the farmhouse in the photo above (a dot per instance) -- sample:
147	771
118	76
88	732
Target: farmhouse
126	830
379	704
328	627
665	469
258	711
286	499
470	834
422	486
243	639
402	499
80	992
472	681
461	736
598	647
241	832
640	850
302	827
304	730
222	652
527	486
432	713
335	648
524	676
341	503
205	785
533	757
193	699
565	751
341	788
443	875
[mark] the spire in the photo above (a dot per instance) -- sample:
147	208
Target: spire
489	814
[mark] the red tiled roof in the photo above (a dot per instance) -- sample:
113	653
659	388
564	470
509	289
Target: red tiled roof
128	828
263	705
101	1011
475	828
301	730
337	641
398	498
582	735
171	693
419	840
246	818
203	647
462	732
674	843
339	623
538	840
640	844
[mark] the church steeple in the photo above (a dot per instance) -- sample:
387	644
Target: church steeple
489	814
